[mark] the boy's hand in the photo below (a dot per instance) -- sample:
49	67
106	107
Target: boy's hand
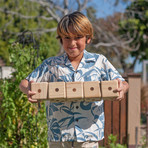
122	88
31	93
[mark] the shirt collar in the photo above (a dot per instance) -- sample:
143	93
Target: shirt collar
87	57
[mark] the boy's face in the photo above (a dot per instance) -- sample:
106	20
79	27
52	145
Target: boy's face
74	46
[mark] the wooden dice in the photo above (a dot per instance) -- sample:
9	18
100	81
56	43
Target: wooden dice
40	89
92	91
108	87
74	91
56	92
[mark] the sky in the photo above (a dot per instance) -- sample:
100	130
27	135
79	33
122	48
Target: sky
105	8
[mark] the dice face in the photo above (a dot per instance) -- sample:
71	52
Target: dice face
40	89
56	92
92	91
108	88
74	91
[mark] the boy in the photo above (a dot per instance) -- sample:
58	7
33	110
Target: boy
75	124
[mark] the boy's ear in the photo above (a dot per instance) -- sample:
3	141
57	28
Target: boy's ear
88	40
61	41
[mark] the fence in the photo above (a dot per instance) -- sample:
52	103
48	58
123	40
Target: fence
123	118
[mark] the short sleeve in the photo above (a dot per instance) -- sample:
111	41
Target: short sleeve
40	74
110	71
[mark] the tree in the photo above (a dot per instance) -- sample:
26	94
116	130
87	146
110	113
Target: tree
40	17
110	42
123	35
135	27
49	12
14	21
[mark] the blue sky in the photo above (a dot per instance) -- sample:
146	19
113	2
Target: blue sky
105	8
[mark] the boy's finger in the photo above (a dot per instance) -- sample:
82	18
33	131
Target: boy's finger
32	101
119	83
30	84
31	93
117	90
121	96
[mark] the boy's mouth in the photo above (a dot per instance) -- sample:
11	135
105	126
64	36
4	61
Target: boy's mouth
73	48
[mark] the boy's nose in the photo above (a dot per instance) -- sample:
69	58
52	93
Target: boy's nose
72	41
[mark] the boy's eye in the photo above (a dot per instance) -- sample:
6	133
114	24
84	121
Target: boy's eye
78	37
67	37
75	38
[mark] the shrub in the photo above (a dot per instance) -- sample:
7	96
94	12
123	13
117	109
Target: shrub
22	124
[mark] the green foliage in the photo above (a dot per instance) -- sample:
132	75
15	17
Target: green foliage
136	24
143	118
143	142
21	15
49	47
112	142
22	125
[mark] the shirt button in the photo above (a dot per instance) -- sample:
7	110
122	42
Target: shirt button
77	120
77	107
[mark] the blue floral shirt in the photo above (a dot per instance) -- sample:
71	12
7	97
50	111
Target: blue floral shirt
75	121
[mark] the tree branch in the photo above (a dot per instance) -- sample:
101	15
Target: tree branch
83	5
42	31
24	16
48	8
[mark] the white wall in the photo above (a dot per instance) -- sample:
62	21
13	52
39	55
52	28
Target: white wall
5	72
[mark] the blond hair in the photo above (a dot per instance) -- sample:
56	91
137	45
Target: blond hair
80	24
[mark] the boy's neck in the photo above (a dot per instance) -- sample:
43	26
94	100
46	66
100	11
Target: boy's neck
75	61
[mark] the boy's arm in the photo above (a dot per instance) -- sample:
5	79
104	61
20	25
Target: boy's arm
25	88
122	89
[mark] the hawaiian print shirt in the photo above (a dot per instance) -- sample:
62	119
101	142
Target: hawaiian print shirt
75	121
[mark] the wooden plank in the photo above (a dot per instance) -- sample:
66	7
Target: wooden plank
123	121
40	89
74	91
108	87
116	119
101	143
92	91
57	92
131	146
108	120
134	99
